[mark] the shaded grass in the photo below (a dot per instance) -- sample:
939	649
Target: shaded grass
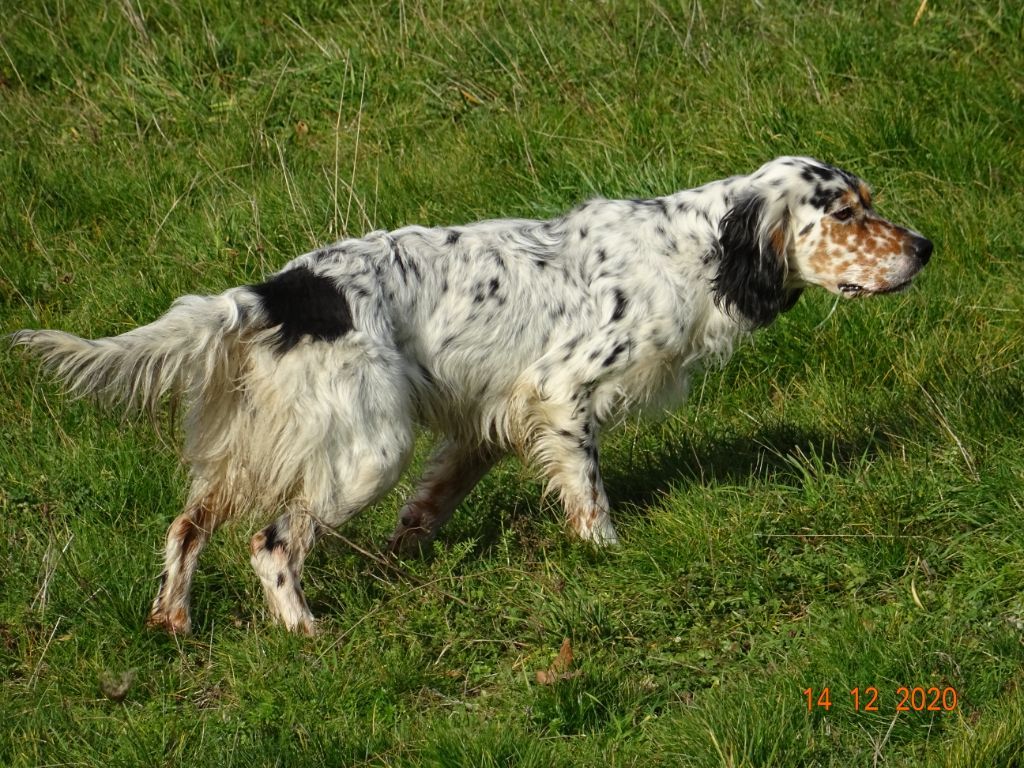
840	506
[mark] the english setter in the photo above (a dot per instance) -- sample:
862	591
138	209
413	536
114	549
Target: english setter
303	392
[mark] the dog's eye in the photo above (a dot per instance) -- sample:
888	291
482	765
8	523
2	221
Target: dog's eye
844	214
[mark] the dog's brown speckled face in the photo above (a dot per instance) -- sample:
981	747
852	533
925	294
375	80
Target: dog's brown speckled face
844	246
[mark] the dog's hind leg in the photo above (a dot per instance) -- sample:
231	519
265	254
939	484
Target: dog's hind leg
186	538
452	472
358	442
280	549
278	553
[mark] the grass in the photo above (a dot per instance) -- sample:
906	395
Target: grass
840	506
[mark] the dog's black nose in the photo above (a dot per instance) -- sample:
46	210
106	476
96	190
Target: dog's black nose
922	249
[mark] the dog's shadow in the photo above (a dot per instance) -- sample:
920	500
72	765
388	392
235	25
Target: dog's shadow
782	454
636	481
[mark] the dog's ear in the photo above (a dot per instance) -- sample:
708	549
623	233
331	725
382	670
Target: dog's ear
790	299
752	269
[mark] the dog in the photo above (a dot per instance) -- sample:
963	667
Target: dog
302	393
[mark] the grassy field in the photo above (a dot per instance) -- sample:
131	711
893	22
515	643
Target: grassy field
841	506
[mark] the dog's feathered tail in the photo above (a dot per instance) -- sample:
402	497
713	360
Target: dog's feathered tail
183	351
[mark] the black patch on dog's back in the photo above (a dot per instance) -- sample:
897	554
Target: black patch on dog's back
303	303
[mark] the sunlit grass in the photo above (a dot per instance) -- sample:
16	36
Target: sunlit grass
840	506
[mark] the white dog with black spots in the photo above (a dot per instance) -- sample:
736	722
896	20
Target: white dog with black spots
302	393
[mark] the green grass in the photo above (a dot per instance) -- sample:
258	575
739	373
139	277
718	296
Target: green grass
840	506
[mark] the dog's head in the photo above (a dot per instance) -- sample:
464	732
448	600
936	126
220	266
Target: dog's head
801	222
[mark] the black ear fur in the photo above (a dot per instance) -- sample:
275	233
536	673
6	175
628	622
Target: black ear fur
751	272
792	297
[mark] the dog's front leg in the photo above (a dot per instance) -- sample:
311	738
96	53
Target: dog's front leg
565	444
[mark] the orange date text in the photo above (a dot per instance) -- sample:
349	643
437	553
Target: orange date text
906	698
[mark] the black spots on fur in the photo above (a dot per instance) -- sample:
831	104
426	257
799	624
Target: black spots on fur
615	354
807	229
823	196
301	303
483	291
656	203
811	173
583	233
540	263
602	255
621	303
280	579
271	540
750	273
712	254
396	257
570	347
452	237
498	259
405	266
682	206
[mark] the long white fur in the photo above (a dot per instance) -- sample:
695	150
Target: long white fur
504	335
